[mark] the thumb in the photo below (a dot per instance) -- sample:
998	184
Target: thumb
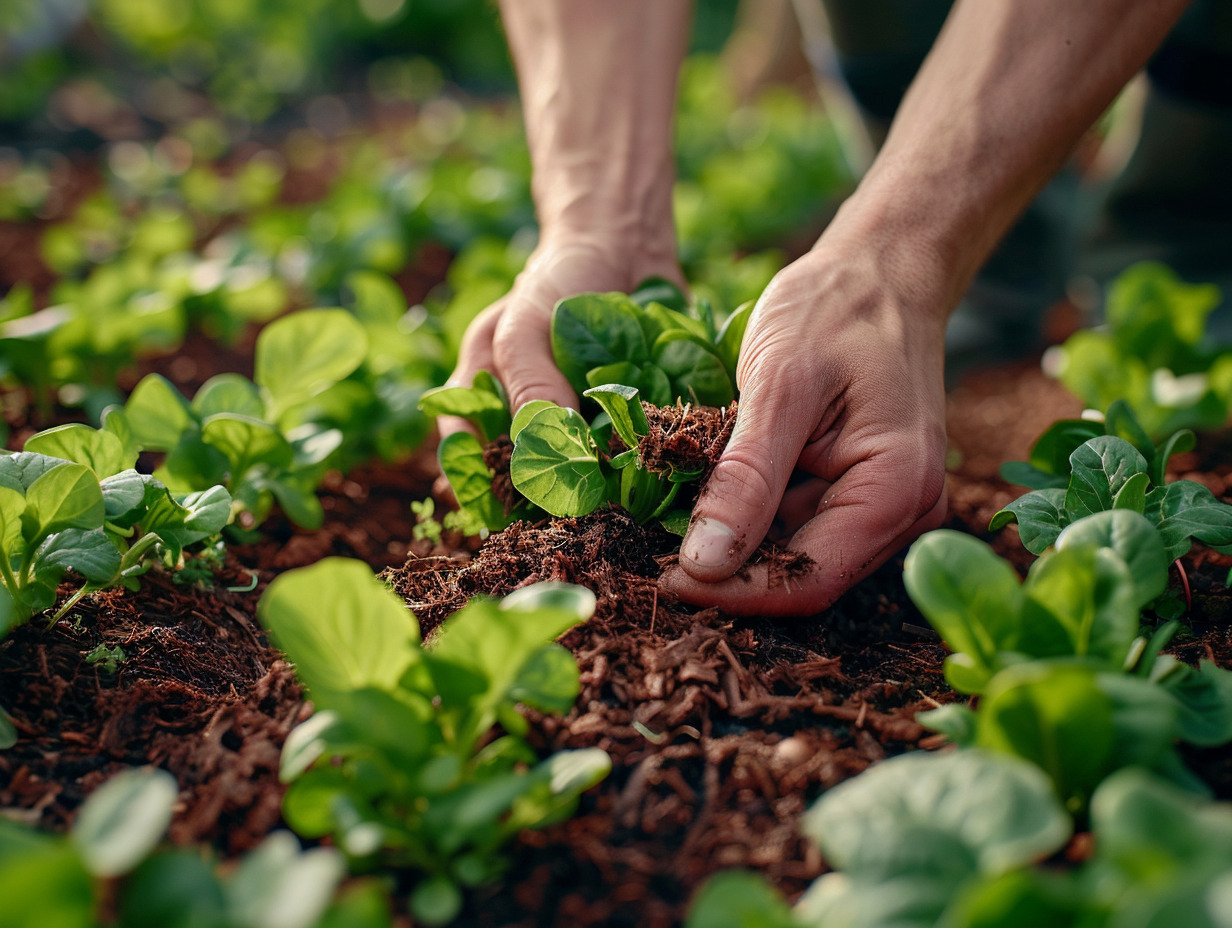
741	497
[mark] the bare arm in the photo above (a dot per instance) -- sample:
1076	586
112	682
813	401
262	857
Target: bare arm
841	368
598	82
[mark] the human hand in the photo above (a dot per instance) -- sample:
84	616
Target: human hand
841	378
512	337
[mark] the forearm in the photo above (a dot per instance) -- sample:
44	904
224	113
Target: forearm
997	107
598	82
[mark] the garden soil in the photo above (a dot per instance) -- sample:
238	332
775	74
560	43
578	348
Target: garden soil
721	730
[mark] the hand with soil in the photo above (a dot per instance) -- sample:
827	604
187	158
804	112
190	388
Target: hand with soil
841	379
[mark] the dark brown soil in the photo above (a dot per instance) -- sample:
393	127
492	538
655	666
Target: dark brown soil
721	731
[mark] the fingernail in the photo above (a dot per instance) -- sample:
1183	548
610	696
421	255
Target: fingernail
709	543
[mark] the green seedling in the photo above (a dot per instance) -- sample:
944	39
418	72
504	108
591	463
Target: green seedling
399	765
109	862
1106	473
1153	353
247	435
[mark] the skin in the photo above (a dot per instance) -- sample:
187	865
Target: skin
841	366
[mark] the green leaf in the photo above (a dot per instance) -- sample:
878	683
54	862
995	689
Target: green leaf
556	466
340	626
624	405
177	889
1051	451
1203	697
124	494
1178	443
157	414
547	681
194	518
279	886
1100	468
594	329
63	497
1023	474
300	355
1055	716
87	551
573	772
695	372
436	901
98	450
46	887
306	743
1184	510
731	336
124	819
246	443
993	812
662	291
738	899
299	501
1155	832
955	721
1134	540
972	597
486	410
1040	516
228	393
1119	420
461	460
525	413
1132	495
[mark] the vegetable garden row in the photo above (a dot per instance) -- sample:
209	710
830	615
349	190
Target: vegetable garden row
484	711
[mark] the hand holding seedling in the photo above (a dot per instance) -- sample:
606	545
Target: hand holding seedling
841	365
511	338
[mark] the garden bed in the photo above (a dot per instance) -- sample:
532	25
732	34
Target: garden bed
721	731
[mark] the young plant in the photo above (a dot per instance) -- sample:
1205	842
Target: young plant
1065	678
109	863
141	519
247	435
400	764
1153	353
646	340
1107	472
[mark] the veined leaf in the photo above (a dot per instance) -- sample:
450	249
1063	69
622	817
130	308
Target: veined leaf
98	450
302	354
624	406
556	466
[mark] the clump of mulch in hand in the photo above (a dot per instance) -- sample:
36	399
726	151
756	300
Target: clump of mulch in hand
685	437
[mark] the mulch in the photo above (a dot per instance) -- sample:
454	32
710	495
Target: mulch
722	731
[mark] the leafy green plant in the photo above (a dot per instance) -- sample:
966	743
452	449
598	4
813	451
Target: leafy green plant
954	841
109	863
559	462
399	764
1065	678
1153	353
646	340
1107	472
247	435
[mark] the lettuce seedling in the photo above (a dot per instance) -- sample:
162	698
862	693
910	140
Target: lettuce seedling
1107	472
399	764
646	341
556	462
109	862
1048	465
1153	353
1065	678
246	435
